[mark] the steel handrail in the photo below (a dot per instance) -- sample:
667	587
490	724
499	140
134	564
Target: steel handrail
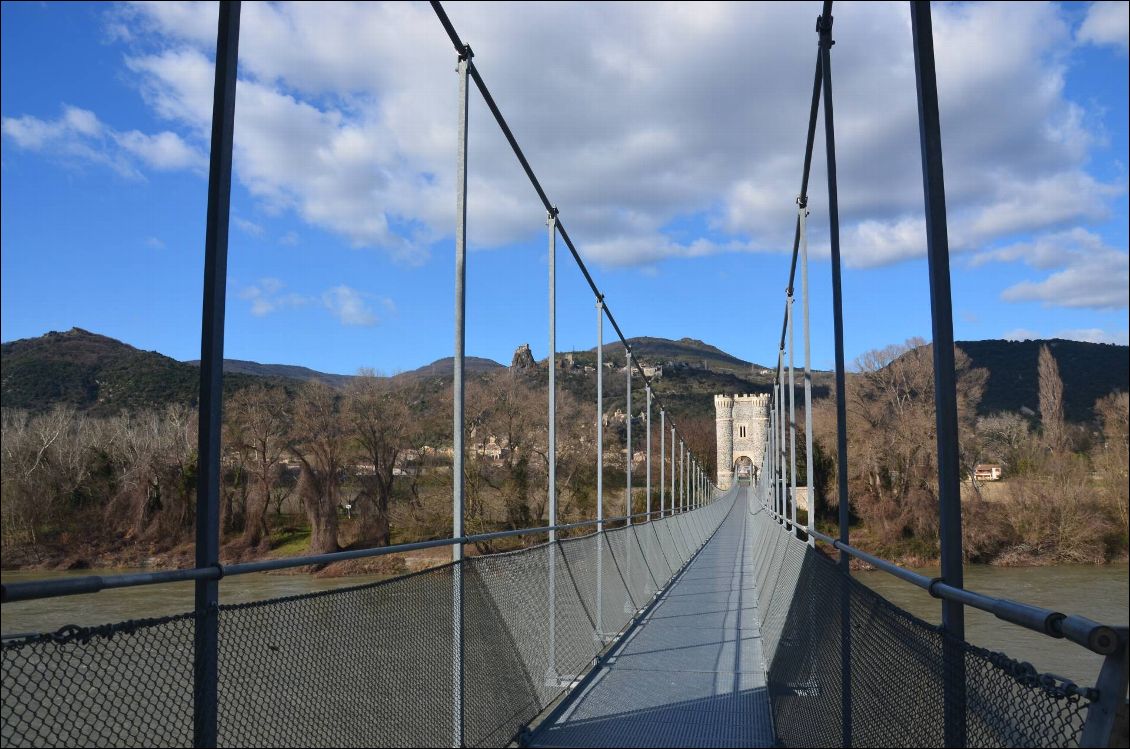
39	589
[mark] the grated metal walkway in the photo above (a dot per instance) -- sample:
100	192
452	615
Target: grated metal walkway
692	673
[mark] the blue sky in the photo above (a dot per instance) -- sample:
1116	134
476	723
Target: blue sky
670	137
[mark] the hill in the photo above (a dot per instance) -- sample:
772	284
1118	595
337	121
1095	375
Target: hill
472	365
287	371
102	375
95	373
1088	370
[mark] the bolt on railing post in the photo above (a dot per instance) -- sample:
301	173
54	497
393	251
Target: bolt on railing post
458	384
551	222
792	417
662	460
648	507
945	378
810	479
205	672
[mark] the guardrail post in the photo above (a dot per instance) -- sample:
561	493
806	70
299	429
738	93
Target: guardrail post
683	477
629	607
600	468
672	470
551	672
945	378
824	27
1111	685
628	369
458	383
809	476
207	592
648	506
792	415
662	458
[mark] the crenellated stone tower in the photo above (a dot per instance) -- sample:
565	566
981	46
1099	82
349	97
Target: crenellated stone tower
742	424
724	429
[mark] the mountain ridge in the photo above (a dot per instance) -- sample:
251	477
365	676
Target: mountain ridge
103	375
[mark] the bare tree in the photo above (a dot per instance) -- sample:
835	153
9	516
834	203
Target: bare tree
258	431
891	436
1051	401
318	440
1112	459
380	422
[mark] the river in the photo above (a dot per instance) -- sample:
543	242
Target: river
1100	593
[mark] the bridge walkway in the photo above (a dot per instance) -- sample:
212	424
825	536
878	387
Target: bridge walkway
692	673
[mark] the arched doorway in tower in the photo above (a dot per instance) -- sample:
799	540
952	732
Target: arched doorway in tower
743	468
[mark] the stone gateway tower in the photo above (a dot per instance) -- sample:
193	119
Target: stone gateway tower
742	424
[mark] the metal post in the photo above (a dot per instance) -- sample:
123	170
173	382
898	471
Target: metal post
792	417
205	670
458	383
672	470
662	458
551	222
810	478
600	467
683	481
628	498
945	379
824	27
782	426
629	608
768	479
648	510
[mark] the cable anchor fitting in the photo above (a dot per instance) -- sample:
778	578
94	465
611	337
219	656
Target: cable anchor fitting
824	29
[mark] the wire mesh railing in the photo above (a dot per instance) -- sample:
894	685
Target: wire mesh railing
366	665
898	667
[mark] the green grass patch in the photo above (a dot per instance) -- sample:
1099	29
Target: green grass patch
286	542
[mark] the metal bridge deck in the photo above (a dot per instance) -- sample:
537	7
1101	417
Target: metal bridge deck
692	673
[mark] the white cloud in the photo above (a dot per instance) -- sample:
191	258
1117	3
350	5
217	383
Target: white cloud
1087	335
164	151
247	226
346	116
1106	23
1021	334
1088	272
1095	335
266	296
79	137
349	306
290	239
155	243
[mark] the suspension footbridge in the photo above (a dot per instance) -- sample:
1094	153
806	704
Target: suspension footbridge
716	617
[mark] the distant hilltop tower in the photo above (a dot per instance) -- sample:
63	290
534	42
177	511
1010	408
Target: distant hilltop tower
742	424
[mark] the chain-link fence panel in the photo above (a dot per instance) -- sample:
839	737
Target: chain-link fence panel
898	672
367	665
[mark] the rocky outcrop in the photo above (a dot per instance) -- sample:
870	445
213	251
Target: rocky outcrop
523	358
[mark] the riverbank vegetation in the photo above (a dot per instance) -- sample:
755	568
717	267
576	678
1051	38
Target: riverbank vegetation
1063	493
310	467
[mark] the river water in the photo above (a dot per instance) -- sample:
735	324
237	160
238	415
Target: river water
1100	593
